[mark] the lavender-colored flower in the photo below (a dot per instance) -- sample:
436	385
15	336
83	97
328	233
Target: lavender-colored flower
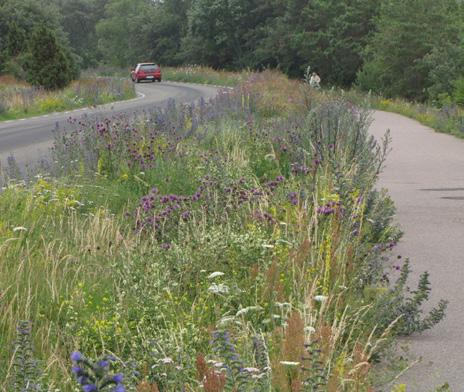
77	370
103	364
186	215
76	356
95	377
293	197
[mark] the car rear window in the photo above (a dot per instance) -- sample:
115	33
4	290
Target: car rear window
149	67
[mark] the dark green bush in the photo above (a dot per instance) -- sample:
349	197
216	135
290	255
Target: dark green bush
48	65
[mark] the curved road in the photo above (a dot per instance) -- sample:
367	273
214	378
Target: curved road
424	174
29	139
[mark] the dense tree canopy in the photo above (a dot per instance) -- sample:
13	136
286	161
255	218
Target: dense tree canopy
411	48
417	50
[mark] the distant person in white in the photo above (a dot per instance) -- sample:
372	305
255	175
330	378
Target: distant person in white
315	80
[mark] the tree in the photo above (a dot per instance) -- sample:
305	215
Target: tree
329	35
222	33
18	19
49	65
79	19
122	33
168	25
403	52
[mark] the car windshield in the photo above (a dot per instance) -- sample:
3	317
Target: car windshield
149	67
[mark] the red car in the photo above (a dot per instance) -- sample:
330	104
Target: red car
146	71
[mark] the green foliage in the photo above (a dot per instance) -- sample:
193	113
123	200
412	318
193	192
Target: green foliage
18	20
79	18
328	35
405	55
458	93
49	65
405	311
121	32
446	66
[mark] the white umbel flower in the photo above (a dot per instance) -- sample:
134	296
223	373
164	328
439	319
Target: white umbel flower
216	274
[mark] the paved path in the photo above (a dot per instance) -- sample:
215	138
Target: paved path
425	176
31	138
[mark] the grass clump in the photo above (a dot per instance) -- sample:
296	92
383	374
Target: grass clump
235	244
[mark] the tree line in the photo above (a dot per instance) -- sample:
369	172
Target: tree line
409	48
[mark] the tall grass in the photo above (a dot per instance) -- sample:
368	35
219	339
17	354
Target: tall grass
236	244
204	75
18	100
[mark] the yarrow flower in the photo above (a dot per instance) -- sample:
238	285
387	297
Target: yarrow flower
320	298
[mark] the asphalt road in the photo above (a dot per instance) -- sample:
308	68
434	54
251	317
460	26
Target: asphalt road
29	139
425	177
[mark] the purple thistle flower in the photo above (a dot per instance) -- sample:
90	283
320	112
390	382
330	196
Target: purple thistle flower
293	197
117	378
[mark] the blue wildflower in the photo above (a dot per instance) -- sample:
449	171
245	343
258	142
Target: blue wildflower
76	356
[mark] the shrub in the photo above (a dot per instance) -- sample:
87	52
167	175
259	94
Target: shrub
48	64
458	94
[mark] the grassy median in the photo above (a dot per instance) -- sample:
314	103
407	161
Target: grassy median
237	244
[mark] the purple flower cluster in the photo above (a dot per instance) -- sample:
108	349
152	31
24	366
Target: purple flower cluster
297	168
378	248
161	208
329	208
272	185
293	198
95	377
138	140
265	217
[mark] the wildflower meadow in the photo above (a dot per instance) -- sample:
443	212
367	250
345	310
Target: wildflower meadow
237	244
